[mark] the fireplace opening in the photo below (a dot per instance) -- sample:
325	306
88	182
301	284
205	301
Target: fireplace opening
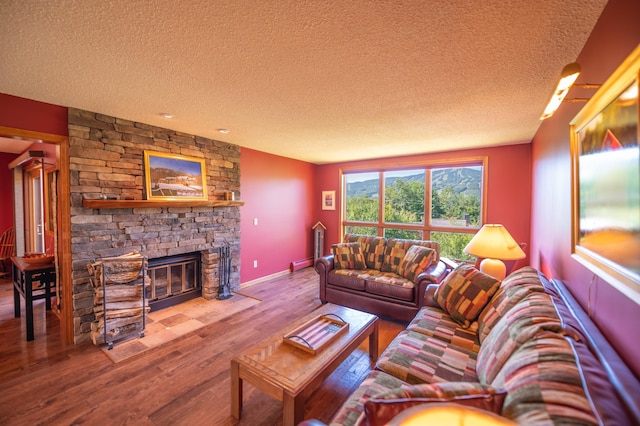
173	280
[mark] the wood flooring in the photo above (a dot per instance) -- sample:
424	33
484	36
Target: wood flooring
184	382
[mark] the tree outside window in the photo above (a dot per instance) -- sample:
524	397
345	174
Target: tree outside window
450	198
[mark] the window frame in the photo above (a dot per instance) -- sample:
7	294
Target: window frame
426	227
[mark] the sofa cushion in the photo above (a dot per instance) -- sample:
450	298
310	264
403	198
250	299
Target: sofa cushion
348	256
376	382
372	248
396	249
416	261
544	384
381	408
389	284
348	278
530	318
435	322
465	292
417	358
512	290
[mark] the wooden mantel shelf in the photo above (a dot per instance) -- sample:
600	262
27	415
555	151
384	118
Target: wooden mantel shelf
131	204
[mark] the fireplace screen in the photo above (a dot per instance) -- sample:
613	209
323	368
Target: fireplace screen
174	279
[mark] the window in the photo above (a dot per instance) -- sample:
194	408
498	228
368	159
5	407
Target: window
442	203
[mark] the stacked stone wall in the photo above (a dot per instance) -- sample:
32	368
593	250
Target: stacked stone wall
106	160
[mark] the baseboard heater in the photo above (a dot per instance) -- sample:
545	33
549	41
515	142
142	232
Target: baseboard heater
299	264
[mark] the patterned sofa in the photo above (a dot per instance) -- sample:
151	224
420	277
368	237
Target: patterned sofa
522	348
383	276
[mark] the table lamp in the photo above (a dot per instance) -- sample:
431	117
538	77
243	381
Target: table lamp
494	244
448	415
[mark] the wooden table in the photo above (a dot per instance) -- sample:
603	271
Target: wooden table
25	276
290	374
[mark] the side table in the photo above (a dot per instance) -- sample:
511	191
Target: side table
25	276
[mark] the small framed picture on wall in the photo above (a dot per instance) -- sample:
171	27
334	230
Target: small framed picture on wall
328	200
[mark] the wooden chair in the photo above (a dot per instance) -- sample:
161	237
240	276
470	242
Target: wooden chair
7	249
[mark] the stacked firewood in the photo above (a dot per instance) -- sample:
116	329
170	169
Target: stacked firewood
118	291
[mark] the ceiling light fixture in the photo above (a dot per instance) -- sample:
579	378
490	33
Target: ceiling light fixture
166	115
223	131
568	77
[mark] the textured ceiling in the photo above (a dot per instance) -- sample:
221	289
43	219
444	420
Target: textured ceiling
320	81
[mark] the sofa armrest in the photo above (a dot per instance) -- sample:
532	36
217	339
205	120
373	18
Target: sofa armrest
323	266
429	296
434	274
451	265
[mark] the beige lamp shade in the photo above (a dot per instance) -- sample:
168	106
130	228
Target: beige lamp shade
448	415
494	244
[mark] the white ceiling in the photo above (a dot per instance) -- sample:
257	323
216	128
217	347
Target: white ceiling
14	146
316	80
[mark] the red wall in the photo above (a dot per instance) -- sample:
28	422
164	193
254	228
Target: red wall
37	116
6	192
278	191
31	115
614	37
509	186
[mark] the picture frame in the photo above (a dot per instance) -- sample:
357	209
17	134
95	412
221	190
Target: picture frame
174	177
605	146
328	200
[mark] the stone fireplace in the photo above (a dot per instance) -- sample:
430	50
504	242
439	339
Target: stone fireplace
173	279
106	161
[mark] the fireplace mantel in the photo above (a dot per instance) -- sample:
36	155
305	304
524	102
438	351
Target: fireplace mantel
130	204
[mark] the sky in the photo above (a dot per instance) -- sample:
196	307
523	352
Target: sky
184	166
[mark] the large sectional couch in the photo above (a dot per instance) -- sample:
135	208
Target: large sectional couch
522	348
383	276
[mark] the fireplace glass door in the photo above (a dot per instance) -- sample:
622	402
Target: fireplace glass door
173	279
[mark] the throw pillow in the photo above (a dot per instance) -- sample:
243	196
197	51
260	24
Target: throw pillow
348	256
465	292
383	407
415	261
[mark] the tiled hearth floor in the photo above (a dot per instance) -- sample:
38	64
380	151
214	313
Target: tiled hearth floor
171	323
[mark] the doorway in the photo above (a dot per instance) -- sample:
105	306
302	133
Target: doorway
39	189
38	233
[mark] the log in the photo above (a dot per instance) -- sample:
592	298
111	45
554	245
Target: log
118	293
120	312
97	334
121	283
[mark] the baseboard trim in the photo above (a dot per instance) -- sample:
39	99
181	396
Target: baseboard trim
265	278
299	264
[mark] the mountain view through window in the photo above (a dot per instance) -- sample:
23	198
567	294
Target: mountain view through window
438	203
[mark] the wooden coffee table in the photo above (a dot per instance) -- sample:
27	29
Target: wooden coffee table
290	374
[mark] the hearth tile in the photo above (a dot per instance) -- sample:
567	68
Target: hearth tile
151	340
154	327
163	313
210	317
171	323
174	320
186	327
126	349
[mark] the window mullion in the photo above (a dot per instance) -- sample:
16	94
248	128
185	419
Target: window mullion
427	198
381	204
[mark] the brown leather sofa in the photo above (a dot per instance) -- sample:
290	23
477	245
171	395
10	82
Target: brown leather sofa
378	288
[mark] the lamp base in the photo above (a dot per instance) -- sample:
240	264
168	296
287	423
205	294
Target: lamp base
494	268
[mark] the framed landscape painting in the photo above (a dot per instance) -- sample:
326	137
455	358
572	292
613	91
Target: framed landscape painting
606	178
174	177
328	200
